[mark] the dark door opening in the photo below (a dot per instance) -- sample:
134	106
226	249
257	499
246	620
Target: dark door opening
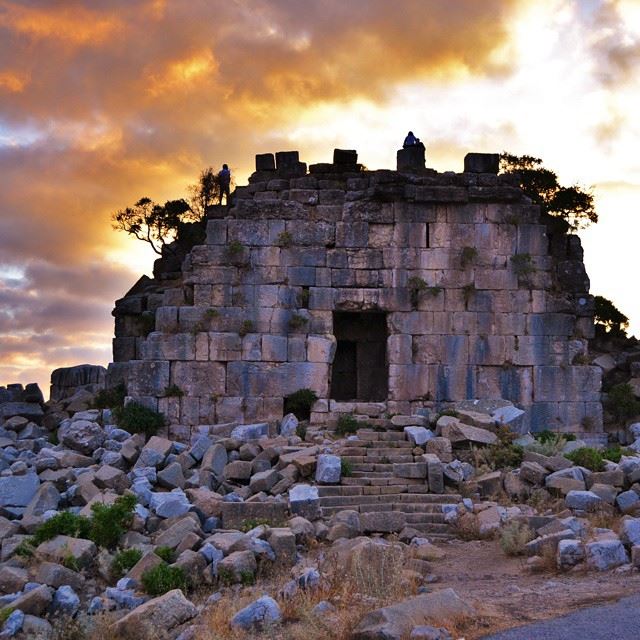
360	370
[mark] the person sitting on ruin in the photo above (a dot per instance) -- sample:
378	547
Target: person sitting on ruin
410	140
224	180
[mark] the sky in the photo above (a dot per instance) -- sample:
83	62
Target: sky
105	101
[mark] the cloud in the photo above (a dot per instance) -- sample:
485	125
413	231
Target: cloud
103	102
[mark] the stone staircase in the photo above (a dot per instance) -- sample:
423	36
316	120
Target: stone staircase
373	486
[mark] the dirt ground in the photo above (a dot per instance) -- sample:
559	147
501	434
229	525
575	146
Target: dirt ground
507	594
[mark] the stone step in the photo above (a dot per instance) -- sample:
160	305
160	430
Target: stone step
372	474
432	529
383	459
356	490
412	501
366	481
384	436
432	518
371	466
375	444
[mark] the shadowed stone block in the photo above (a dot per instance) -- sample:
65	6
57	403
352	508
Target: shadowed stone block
411	158
265	162
345	156
482	163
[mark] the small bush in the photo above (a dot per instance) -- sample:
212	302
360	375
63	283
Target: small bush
297	321
303	298
5	612
166	553
136	418
549	443
246	327
124	561
514	538
25	549
416	287
109	522
110	398
434	292
447	412
300	402
71	562
522	264
252	523
173	391
346	469
622	403
587	457
285	239
503	454
163	578
614	453
301	431
234	248
64	523
347	424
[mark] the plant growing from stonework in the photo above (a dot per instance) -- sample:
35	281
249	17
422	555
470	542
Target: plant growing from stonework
300	402
346	468
434	292
285	239
246	327
173	391
468	256
468	292
522	264
136	418
162	578
124	561
347	424
166	553
609	318
234	249
303	298
416	286
109	522
64	523
587	457
110	398
297	321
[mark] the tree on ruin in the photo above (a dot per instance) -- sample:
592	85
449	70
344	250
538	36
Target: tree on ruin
609	317
572	206
160	225
151	222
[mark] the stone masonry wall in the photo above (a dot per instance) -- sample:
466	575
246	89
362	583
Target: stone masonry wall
482	300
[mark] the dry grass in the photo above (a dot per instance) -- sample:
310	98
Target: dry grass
514	538
467	527
605	517
373	577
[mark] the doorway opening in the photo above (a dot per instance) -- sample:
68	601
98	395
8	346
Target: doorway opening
360	371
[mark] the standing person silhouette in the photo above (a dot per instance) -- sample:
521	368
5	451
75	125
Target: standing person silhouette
224	180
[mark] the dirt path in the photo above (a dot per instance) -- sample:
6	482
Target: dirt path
507	594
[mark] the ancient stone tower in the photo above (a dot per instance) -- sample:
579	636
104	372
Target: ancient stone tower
383	291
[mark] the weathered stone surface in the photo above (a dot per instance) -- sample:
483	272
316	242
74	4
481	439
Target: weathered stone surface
237	566
418	435
533	472
18	491
628	501
60	548
166	612
606	554
435	473
235	513
410	469
397	621
457	432
263	612
81	435
570	553
382	521
264	480
289	425
328	469
56	575
34	602
630	531
248	432
582	500
489	483
304	501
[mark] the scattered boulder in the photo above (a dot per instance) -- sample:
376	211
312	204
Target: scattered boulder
260	614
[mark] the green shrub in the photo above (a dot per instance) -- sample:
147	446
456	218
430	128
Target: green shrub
5	612
136	418
285	239
514	538
124	561
110	398
301	431
162	578
614	453
522	264
300	402
246	327
346	469
252	523
109	522
347	424
416	287
166	553
587	457
234	248
25	549
173	391
622	403
297	321
503	453
64	523
71	562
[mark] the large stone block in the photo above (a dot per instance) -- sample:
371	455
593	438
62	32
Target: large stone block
482	163
148	378
199	378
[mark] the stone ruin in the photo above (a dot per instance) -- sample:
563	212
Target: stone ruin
385	292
